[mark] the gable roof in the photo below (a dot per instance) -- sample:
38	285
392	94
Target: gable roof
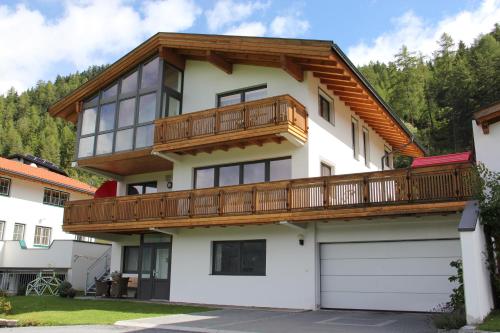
323	58
18	169
442	159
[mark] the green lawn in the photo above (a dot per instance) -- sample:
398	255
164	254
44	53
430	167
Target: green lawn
492	322
54	310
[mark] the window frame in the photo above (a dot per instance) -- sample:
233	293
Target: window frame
355	137
40	236
2	229
240	91
9	183
366	145
50	203
388	161
240	243
322	95
217	167
143	184
14	231
326	165
125	248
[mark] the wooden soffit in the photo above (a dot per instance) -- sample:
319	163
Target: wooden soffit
295	56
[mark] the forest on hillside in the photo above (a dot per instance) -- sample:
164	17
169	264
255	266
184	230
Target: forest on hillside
434	96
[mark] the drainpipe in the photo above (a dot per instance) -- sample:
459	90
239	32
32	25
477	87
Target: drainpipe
386	155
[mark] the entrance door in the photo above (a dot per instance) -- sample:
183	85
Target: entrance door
155	272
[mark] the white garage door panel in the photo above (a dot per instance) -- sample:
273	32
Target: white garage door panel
403	275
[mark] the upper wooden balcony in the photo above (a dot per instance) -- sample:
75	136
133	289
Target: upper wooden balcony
270	119
396	192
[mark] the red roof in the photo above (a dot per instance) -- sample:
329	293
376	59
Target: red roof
27	171
442	159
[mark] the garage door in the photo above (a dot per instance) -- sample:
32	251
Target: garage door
402	275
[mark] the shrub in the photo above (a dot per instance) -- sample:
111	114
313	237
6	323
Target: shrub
5	306
71	293
64	288
454	319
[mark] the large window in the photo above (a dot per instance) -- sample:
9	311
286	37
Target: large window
243	173
121	117
54	197
18	232
326	110
366	147
42	236
239	257
130	259
2	227
4	186
142	188
242	95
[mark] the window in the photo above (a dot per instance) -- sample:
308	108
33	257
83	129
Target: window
2	226
239	257
4	186
366	147
54	197
141	188
130	259
387	159
355	139
243	173
18	232
242	95
120	117
326	107
326	170
42	236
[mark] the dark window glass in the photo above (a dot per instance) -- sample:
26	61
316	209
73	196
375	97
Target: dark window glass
146	262
324	108
242	95
107	117
205	178
254	173
229	175
129	84
104	143
354	133
142	188
149	77
326	170
110	92
124	139
280	169
130	259
147	108
126	113
366	147
144	136
55	197
86	147
88	121
239	257
387	159
4	186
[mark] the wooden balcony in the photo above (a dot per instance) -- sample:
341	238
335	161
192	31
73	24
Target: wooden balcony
256	122
396	192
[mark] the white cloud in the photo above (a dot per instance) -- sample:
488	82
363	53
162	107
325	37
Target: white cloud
418	35
248	29
226	12
289	26
87	32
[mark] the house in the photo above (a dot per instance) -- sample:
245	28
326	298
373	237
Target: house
248	172
486	130
33	192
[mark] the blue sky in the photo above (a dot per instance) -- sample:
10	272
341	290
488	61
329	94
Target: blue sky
43	38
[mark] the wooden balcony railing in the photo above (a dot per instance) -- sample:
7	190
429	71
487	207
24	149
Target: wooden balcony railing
394	187
268	116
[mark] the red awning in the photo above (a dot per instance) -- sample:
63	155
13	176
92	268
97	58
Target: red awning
106	190
442	159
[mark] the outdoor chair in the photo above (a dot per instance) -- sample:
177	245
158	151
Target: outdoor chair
119	287
101	288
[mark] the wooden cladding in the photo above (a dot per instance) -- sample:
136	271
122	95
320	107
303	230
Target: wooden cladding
271	201
239	124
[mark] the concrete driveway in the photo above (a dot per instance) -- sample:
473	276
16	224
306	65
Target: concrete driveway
264	321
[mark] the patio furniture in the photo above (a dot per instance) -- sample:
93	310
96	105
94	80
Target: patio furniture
119	287
101	288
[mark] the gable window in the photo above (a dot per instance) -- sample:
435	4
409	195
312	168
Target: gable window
55	197
242	95
355	139
387	159
366	146
326	110
2	227
246	257
121	116
326	170
4	186
243	173
18	232
142	188
42	236
130	259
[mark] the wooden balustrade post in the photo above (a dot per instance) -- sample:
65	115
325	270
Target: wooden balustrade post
409	182
366	189
246	118
189	127
136	209
221	203
325	193
289	196
276	111
254	200
217	122
115	210
163	204
89	212
191	205
456	184
293	114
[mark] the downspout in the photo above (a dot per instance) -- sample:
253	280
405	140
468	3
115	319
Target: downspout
386	155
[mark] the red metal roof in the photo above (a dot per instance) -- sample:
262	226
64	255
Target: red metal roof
16	168
442	159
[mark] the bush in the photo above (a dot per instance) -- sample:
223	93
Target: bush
64	289
5	306
71	293
450	320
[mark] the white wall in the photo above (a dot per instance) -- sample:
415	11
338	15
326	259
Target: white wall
486	145
160	178
25	205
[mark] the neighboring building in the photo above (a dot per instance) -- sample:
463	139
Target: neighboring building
32	196
248	173
486	129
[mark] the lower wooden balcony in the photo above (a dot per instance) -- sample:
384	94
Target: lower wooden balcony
270	119
385	193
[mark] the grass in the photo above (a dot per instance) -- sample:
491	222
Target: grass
492	322
54	310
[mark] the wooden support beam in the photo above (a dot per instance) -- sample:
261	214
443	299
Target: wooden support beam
331	76
360	106
218	61
337	83
292	68
345	89
322	69
173	58
357	100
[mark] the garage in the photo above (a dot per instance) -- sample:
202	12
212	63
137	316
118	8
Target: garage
387	275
